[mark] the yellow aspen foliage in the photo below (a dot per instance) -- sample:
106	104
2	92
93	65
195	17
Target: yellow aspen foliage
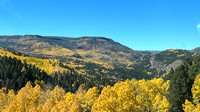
76	107
164	105
128	96
47	106
158	89
133	96
11	102
26	99
46	95
107	101
196	89
11	96
197	109
119	98
48	65
80	93
3	98
69	104
64	102
194	106
70	98
89	99
142	95
72	102
57	94
41	83
60	107
160	104
188	106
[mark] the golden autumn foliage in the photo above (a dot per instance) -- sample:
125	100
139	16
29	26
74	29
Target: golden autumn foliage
133	96
128	96
173	50
27	99
194	106
89	98
48	65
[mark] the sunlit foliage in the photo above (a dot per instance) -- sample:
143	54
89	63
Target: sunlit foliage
194	106
48	65
128	96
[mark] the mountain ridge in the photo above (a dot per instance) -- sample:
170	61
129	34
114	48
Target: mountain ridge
96	37
149	52
98	55
32	44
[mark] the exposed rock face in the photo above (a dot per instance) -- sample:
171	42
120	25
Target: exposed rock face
173	65
156	64
160	64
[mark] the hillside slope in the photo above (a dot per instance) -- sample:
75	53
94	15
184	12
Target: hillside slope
93	49
48	65
16	70
159	64
197	50
97	56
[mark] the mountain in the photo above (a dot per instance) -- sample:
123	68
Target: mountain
97	56
17	69
93	49
149	52
197	50
160	64
94	56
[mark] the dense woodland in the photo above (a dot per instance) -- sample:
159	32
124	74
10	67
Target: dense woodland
95	56
184	85
25	87
14	75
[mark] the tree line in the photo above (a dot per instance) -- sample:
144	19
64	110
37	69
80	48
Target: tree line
14	75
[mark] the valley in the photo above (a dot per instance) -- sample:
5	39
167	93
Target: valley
77	74
97	55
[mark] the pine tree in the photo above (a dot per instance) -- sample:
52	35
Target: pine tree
179	89
195	68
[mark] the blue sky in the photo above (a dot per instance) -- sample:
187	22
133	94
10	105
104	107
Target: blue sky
138	24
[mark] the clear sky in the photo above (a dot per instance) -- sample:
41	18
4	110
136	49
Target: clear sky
138	24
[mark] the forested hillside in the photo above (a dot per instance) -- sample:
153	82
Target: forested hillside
178	93
48	65
14	74
96	56
43	74
93	49
183	80
197	50
99	56
160	64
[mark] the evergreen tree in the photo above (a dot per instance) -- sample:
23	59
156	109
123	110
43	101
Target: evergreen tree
179	89
195	68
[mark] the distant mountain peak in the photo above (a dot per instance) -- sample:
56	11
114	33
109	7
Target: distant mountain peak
149	52
97	38
100	48
197	50
32	36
